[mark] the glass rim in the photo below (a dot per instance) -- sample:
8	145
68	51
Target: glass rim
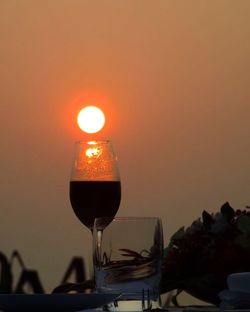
128	218
92	142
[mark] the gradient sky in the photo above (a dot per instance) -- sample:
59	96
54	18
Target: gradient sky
173	80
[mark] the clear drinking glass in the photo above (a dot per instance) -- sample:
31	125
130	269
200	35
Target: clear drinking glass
127	258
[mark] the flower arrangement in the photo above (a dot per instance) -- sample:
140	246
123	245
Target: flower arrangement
199	258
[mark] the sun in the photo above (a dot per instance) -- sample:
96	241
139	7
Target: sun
91	119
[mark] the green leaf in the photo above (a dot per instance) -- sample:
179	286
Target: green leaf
178	234
227	211
243	224
243	240
207	218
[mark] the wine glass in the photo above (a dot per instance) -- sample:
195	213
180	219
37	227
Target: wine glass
95	187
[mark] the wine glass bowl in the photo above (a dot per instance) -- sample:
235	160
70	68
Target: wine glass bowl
95	188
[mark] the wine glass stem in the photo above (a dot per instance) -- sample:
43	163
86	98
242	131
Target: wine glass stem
99	241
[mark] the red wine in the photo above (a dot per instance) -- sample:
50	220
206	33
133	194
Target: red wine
93	199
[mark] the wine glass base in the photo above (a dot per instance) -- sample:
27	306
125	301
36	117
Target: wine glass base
131	305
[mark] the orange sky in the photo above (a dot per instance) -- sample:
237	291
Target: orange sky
173	80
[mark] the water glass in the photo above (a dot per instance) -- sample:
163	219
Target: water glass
127	259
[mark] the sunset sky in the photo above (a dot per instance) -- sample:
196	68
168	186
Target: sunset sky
172	78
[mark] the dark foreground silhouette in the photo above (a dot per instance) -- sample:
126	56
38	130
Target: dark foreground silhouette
29	280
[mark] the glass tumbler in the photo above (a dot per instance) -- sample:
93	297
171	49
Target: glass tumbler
127	259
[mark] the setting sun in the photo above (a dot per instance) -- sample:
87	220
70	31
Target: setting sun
91	119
